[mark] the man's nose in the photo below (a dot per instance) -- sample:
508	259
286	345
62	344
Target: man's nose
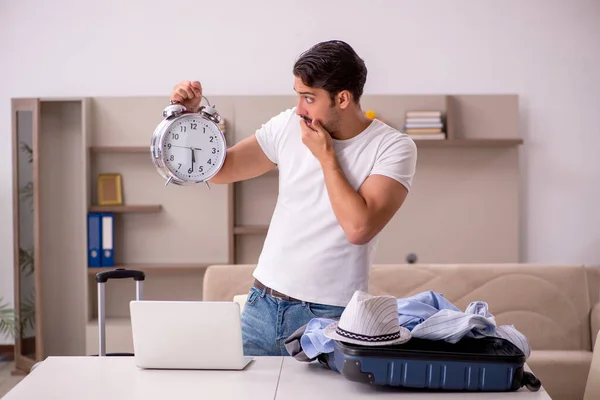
299	109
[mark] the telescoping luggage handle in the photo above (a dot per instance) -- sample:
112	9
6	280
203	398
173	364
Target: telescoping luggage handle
101	279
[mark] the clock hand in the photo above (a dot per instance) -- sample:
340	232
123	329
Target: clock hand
187	147
193	158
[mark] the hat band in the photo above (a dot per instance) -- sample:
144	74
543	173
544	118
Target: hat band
374	339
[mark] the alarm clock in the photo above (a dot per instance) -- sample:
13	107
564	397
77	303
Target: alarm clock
188	147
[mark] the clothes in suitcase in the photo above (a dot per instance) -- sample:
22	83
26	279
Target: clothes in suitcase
102	278
482	364
369	344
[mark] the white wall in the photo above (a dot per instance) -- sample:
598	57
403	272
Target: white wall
548	52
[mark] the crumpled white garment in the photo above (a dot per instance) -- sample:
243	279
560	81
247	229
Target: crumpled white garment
477	322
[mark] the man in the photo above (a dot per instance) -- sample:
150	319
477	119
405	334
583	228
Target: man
343	176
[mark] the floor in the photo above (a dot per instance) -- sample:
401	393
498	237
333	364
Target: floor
8	381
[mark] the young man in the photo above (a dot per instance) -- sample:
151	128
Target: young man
343	176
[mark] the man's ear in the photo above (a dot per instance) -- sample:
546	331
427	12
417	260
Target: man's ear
344	98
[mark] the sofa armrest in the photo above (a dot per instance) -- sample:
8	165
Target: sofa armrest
594	323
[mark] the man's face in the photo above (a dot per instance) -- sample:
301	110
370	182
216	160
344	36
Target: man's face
316	104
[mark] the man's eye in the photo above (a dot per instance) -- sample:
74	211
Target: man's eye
309	99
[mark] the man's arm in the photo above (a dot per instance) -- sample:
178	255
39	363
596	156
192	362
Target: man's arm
362	214
244	160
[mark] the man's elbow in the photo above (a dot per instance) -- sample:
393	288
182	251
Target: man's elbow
360	236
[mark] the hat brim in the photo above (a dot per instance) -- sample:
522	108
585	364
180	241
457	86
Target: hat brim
330	332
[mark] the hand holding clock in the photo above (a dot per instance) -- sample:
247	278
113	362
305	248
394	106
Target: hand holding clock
188	93
191	130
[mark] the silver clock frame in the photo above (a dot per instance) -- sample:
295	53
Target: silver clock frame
172	114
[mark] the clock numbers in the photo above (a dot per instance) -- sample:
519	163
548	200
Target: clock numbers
190	153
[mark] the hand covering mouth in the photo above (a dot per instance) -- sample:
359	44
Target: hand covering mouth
308	120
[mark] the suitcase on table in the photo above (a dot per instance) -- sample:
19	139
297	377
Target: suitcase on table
102	278
483	364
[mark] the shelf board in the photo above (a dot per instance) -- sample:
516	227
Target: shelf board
120	149
110	322
468	142
421	142
146	208
250	229
61	99
152	267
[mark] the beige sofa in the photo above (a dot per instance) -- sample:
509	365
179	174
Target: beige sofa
554	306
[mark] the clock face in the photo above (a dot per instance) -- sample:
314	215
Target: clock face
193	148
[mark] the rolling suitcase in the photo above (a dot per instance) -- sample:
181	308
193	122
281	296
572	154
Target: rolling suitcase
483	364
101	279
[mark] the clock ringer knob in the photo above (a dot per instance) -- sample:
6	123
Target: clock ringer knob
211	113
174	109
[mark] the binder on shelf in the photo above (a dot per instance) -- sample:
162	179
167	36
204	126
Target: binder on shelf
94	240
108	259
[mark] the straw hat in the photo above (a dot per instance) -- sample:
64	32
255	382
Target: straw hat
369	320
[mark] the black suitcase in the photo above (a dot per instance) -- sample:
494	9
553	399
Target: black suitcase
101	279
483	364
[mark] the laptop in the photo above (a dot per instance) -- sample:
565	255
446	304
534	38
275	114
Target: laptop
187	335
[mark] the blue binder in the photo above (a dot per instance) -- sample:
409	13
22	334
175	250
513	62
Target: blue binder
94	240
108	230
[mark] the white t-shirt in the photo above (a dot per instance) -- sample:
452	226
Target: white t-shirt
306	254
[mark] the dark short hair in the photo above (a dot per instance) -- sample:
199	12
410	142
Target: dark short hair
333	66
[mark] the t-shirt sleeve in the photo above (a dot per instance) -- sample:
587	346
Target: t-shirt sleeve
270	133
397	159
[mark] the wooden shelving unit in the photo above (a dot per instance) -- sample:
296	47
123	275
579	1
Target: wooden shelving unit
492	143
129	208
459	202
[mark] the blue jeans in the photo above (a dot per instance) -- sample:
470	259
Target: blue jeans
268	321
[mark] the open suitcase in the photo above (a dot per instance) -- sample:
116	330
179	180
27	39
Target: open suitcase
102	278
484	364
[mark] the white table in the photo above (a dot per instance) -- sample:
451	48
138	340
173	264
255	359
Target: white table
104	378
280	378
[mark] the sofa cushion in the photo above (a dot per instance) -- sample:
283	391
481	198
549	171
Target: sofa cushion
549	304
223	282
563	373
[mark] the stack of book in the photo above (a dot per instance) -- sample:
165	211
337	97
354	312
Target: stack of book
424	125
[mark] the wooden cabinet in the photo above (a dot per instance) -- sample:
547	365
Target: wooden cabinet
464	205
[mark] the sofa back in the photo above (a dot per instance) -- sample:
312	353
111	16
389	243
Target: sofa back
549	304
